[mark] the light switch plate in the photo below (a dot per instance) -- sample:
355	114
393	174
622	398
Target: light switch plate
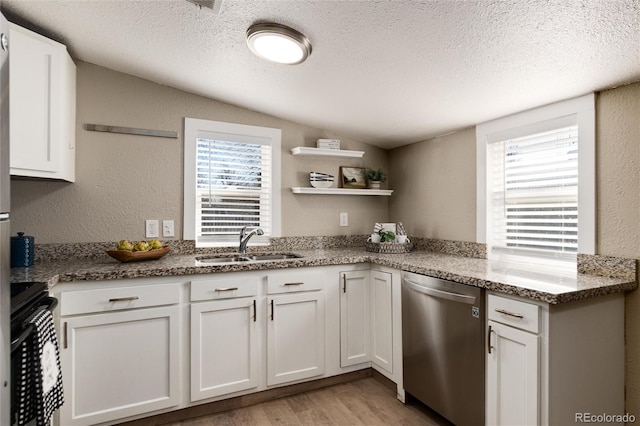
151	228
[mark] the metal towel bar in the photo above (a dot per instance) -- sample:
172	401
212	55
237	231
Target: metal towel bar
131	131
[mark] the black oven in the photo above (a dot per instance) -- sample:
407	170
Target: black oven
27	300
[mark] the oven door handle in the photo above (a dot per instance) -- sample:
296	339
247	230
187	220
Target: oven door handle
26	331
48	303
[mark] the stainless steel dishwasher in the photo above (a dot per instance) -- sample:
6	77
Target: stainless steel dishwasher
443	346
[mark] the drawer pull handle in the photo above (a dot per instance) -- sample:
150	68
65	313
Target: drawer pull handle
226	289
124	299
255	311
287	284
511	314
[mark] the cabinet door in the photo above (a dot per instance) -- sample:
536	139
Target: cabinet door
355	318
382	320
295	336
512	376
224	347
35	119
120	364
43	107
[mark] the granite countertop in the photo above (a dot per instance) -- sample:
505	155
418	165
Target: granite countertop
552	288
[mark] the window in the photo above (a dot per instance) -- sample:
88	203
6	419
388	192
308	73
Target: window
231	180
536	184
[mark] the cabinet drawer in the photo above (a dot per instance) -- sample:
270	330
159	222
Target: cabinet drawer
224	288
515	313
115	299
293	281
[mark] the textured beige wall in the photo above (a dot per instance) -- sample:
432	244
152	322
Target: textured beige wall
618	171
435	187
121	180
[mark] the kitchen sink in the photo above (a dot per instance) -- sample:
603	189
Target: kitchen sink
225	259
273	256
241	258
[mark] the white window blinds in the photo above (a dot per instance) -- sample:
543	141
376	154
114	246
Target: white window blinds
233	189
533	194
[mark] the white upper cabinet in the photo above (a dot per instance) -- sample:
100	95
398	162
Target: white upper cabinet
42	106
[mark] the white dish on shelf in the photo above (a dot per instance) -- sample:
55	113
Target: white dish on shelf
321	184
321	180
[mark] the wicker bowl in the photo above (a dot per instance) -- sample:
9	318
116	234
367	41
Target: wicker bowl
388	247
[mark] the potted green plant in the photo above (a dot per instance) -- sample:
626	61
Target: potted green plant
387	236
375	177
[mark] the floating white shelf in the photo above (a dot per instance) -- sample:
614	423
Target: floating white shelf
303	150
340	191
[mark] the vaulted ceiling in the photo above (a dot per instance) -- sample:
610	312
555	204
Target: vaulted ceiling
383	72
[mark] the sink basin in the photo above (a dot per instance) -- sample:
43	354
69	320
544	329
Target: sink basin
273	256
221	259
240	258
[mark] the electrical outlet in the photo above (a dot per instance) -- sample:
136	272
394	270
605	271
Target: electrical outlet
344	219
167	228
151	228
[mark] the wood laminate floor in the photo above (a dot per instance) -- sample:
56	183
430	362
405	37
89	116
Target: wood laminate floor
360	402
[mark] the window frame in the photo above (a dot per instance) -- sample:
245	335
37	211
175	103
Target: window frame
196	128
529	122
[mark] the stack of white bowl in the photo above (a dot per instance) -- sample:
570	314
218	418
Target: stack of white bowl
320	180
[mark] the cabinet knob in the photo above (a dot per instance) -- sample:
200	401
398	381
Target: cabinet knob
4	42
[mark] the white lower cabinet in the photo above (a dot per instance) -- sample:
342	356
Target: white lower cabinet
512	376
121	362
295	327
366	319
355	318
224	347
137	347
382	320
553	364
513	362
224	336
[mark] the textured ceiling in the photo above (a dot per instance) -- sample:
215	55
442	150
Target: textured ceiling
383	72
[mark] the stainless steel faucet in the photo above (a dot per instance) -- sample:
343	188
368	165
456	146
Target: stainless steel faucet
244	238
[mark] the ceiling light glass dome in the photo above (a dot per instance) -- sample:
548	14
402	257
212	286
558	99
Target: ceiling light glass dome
278	43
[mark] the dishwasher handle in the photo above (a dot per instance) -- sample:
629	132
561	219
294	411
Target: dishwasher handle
455	297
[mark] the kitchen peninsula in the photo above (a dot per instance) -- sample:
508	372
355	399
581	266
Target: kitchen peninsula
171	317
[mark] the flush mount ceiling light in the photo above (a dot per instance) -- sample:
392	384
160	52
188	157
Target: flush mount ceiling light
278	43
